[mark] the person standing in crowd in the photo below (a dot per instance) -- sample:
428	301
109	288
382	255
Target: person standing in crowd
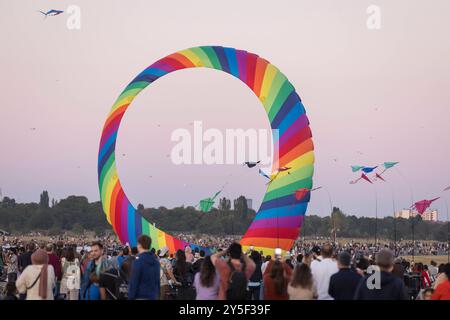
166	274
145	273
11	292
361	266
70	281
189	255
96	266
25	258
255	281
207	282
12	267
322	270
38	280
196	266
276	278
236	270
302	286
125	254
343	284
442	291
390	286
433	270
399	269
185	276
55	262
424	279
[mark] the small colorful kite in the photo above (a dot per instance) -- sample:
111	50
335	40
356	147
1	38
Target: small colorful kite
446	189
356	168
251	164
378	176
206	204
368	169
301	193
423	205
51	12
263	174
363	176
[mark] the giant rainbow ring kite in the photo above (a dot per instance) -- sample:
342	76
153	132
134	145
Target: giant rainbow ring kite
278	221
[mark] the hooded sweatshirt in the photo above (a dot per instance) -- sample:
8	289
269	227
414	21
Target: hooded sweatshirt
144	279
391	288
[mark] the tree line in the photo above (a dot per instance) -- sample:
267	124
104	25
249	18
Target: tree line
76	214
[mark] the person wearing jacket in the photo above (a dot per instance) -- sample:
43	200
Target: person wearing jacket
145	273
89	288
390	287
343	284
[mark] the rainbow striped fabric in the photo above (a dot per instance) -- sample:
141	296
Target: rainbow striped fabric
278	221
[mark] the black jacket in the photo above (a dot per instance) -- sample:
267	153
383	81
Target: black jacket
343	284
391	288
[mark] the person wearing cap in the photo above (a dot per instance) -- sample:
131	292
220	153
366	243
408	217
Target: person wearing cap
343	283
390	286
166	274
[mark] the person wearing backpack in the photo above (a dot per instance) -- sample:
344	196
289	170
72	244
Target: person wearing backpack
234	271
71	275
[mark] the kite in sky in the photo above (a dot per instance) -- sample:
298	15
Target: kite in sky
423	205
263	174
378	176
301	193
206	204
363	176
357	168
446	189
251	164
51	12
368	169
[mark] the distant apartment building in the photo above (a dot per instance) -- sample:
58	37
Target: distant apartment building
428	215
250	203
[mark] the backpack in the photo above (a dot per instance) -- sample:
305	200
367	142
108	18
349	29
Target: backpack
121	286
237	283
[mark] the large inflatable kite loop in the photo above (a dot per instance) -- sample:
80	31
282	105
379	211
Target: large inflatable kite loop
278	221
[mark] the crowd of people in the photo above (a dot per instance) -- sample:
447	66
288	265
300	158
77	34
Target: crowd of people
75	268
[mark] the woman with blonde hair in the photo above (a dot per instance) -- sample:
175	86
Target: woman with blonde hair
38	279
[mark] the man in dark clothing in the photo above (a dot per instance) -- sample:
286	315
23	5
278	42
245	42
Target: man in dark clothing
399	270
197	264
145	273
382	285
343	284
25	258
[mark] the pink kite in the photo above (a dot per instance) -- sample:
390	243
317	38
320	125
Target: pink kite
363	176
423	205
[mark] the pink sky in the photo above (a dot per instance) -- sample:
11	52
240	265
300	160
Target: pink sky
384	93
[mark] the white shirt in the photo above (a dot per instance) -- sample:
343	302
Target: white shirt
322	272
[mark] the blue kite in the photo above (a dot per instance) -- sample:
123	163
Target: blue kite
52	12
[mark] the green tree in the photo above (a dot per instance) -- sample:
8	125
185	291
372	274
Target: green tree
240	206
44	201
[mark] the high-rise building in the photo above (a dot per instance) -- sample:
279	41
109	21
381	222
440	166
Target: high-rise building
250	203
428	215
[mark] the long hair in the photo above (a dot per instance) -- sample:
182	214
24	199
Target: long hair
207	273
277	274
302	276
181	264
